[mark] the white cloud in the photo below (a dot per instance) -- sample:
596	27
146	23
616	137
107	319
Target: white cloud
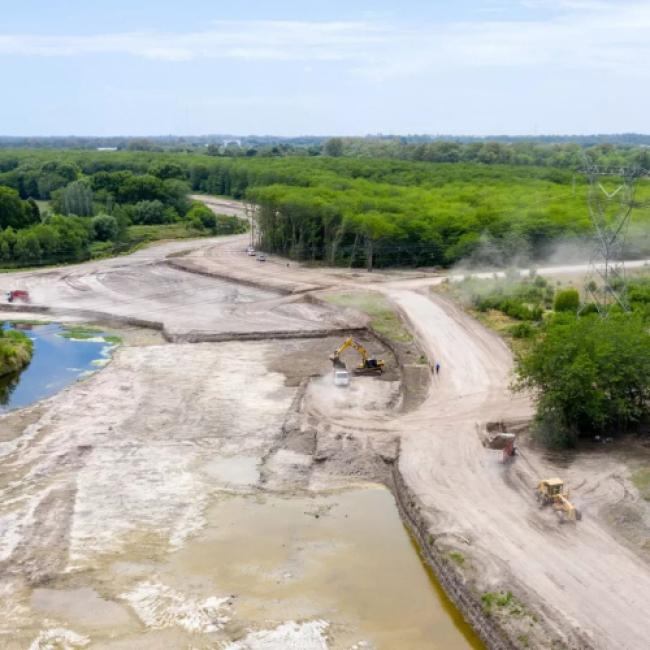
575	34
247	40
614	37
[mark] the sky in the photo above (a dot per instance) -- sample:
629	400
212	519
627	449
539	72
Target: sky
326	67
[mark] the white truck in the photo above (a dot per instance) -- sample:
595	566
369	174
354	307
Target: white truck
341	378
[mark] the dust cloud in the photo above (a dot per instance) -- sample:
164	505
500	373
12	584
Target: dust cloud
362	394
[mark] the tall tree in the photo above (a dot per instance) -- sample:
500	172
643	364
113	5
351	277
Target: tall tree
77	198
12	210
334	147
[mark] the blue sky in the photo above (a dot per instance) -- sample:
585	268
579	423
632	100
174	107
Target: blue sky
293	67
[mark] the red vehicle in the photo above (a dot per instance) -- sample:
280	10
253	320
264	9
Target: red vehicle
17	295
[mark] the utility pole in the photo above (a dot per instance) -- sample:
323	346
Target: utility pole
609	210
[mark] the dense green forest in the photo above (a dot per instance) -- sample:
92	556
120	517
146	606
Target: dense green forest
337	210
564	152
54	210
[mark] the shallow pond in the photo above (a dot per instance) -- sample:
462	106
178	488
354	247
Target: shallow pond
57	362
268	572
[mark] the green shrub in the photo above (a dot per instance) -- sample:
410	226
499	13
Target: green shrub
589	309
105	227
516	310
522	331
149	213
567	301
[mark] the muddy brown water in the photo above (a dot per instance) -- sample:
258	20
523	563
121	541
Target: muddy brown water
268	572
344	558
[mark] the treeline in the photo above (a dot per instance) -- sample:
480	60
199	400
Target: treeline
166	141
563	152
384	213
567	155
336	210
90	215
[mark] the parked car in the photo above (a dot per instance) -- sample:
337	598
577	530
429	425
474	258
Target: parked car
250	250
261	258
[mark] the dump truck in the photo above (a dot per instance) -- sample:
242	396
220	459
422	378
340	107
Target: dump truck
17	295
550	491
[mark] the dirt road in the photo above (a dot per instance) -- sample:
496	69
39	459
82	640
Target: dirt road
579	574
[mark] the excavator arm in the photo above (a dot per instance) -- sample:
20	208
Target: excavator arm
336	357
367	365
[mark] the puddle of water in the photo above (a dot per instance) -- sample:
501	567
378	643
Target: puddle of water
56	362
343	560
234	472
82	607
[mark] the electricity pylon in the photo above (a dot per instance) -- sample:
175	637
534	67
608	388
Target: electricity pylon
609	210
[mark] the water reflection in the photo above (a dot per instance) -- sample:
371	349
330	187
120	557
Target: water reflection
56	363
8	384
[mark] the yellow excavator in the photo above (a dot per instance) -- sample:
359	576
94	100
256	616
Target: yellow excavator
550	491
368	366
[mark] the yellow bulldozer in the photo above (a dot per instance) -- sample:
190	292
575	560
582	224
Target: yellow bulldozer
368	366
550	491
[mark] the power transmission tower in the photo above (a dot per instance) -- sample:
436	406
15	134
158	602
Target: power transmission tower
609	210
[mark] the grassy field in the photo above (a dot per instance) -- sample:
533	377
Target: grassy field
43	206
165	231
382	316
81	333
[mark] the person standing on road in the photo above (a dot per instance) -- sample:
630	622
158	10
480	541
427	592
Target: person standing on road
437	368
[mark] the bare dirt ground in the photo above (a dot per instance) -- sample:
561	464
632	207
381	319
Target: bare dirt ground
142	286
62	461
591	588
222	206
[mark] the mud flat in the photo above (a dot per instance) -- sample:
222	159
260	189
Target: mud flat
272	571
